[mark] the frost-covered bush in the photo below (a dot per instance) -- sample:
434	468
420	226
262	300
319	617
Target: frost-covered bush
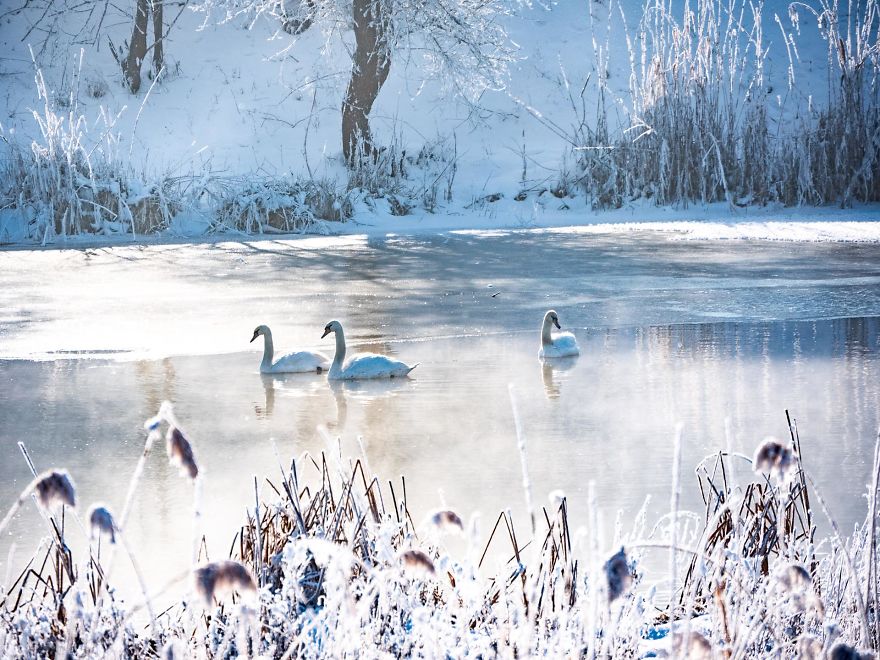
284	204
72	180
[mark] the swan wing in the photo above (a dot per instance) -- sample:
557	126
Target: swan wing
371	365
564	345
300	362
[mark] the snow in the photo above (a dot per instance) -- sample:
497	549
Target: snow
245	102
713	222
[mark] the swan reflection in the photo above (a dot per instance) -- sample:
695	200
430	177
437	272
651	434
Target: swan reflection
364	393
551	374
291	385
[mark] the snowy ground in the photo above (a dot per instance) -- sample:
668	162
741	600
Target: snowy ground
716	222
243	102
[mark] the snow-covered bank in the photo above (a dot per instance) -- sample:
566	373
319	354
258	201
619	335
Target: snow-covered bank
611	105
713	222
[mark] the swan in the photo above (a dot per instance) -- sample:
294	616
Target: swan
292	363
562	344
364	365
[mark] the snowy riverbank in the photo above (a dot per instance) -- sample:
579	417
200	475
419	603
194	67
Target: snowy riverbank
714	222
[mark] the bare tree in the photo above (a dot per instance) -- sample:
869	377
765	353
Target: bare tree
462	42
158	36
137	47
370	66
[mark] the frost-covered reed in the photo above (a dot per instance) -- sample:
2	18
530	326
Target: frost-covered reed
334	566
51	488
74	179
701	121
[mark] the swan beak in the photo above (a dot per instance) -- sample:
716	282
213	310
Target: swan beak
256	334
326	332
556	323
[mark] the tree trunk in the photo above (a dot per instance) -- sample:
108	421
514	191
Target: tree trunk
372	61
158	54
137	48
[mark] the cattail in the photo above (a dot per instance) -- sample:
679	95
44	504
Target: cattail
218	578
173	650
556	498
416	561
618	575
694	646
180	452
101	522
841	651
772	456
50	487
446	519
54	487
796	585
809	648
794	578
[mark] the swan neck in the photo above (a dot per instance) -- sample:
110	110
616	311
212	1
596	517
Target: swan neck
546	337
268	349
340	350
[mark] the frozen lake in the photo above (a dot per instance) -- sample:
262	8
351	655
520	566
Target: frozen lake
713	335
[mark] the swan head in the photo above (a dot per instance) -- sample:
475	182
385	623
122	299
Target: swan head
259	330
333	326
552	317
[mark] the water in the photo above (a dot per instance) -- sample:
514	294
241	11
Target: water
720	337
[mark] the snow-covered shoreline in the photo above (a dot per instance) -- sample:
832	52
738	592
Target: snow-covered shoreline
715	222
245	137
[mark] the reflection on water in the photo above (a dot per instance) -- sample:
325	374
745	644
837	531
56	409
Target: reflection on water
553	374
607	417
338	423
268	408
371	395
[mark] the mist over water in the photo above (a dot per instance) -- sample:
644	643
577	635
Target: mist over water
645	312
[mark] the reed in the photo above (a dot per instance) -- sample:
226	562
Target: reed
701	121
330	564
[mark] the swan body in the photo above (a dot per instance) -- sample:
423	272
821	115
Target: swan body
292	363
562	344
364	365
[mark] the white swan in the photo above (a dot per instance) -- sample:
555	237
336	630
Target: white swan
364	365
562	344
292	363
